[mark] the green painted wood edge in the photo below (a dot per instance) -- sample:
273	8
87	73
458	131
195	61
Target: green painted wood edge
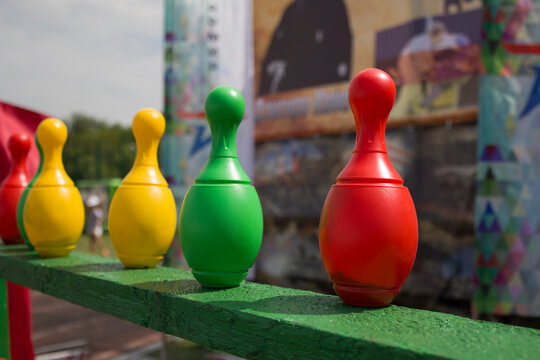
24	195
4	321
259	321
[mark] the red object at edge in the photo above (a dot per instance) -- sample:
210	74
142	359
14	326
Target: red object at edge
20	322
12	188
14	120
368	233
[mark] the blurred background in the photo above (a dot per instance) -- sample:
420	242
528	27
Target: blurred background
464	133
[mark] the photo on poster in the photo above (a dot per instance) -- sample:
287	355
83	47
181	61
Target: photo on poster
434	61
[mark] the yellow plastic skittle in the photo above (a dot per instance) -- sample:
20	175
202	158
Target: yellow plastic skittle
53	214
142	217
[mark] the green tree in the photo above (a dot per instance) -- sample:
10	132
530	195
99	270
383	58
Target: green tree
97	150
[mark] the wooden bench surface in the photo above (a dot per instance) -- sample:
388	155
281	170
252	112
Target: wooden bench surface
260	321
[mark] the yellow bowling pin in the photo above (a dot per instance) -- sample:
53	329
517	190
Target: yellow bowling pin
53	214
142	217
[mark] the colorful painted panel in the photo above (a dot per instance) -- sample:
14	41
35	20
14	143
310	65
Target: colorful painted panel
507	209
207	44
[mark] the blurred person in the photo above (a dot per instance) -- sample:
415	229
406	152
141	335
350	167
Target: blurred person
417	61
436	37
95	224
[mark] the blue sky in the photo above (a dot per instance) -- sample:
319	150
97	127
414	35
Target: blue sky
100	57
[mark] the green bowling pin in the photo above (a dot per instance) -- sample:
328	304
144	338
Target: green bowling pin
221	223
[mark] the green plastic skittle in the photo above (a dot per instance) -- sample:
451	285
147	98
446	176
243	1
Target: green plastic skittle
221	223
24	195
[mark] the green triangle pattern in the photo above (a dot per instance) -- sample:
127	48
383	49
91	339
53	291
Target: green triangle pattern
494	31
486	275
513	226
501	250
505	294
487	245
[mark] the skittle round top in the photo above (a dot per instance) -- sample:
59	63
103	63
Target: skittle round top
51	135
148	127
224	108
19	145
225	105
371	96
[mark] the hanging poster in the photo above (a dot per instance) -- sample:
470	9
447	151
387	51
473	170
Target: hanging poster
307	52
435	63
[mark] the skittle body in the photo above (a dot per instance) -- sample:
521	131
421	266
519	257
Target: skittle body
368	230
220	222
142	217
53	211
12	188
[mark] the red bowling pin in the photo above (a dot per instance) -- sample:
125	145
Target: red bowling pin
12	188
368	232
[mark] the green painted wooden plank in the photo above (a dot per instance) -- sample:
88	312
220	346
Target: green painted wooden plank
259	321
4	321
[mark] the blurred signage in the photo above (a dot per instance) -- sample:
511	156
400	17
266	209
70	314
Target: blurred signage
207	44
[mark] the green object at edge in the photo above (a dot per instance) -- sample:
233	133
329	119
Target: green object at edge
221	223
4	321
22	200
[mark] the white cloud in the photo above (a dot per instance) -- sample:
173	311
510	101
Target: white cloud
100	57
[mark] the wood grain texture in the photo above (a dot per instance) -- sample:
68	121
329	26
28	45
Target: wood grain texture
260	321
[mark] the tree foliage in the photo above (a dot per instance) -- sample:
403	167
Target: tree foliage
97	150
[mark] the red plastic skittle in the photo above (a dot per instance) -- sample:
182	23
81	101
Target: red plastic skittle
368	230
12	188
19	305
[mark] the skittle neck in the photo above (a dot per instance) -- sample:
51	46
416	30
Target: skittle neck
51	136
371	97
148	127
224	110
